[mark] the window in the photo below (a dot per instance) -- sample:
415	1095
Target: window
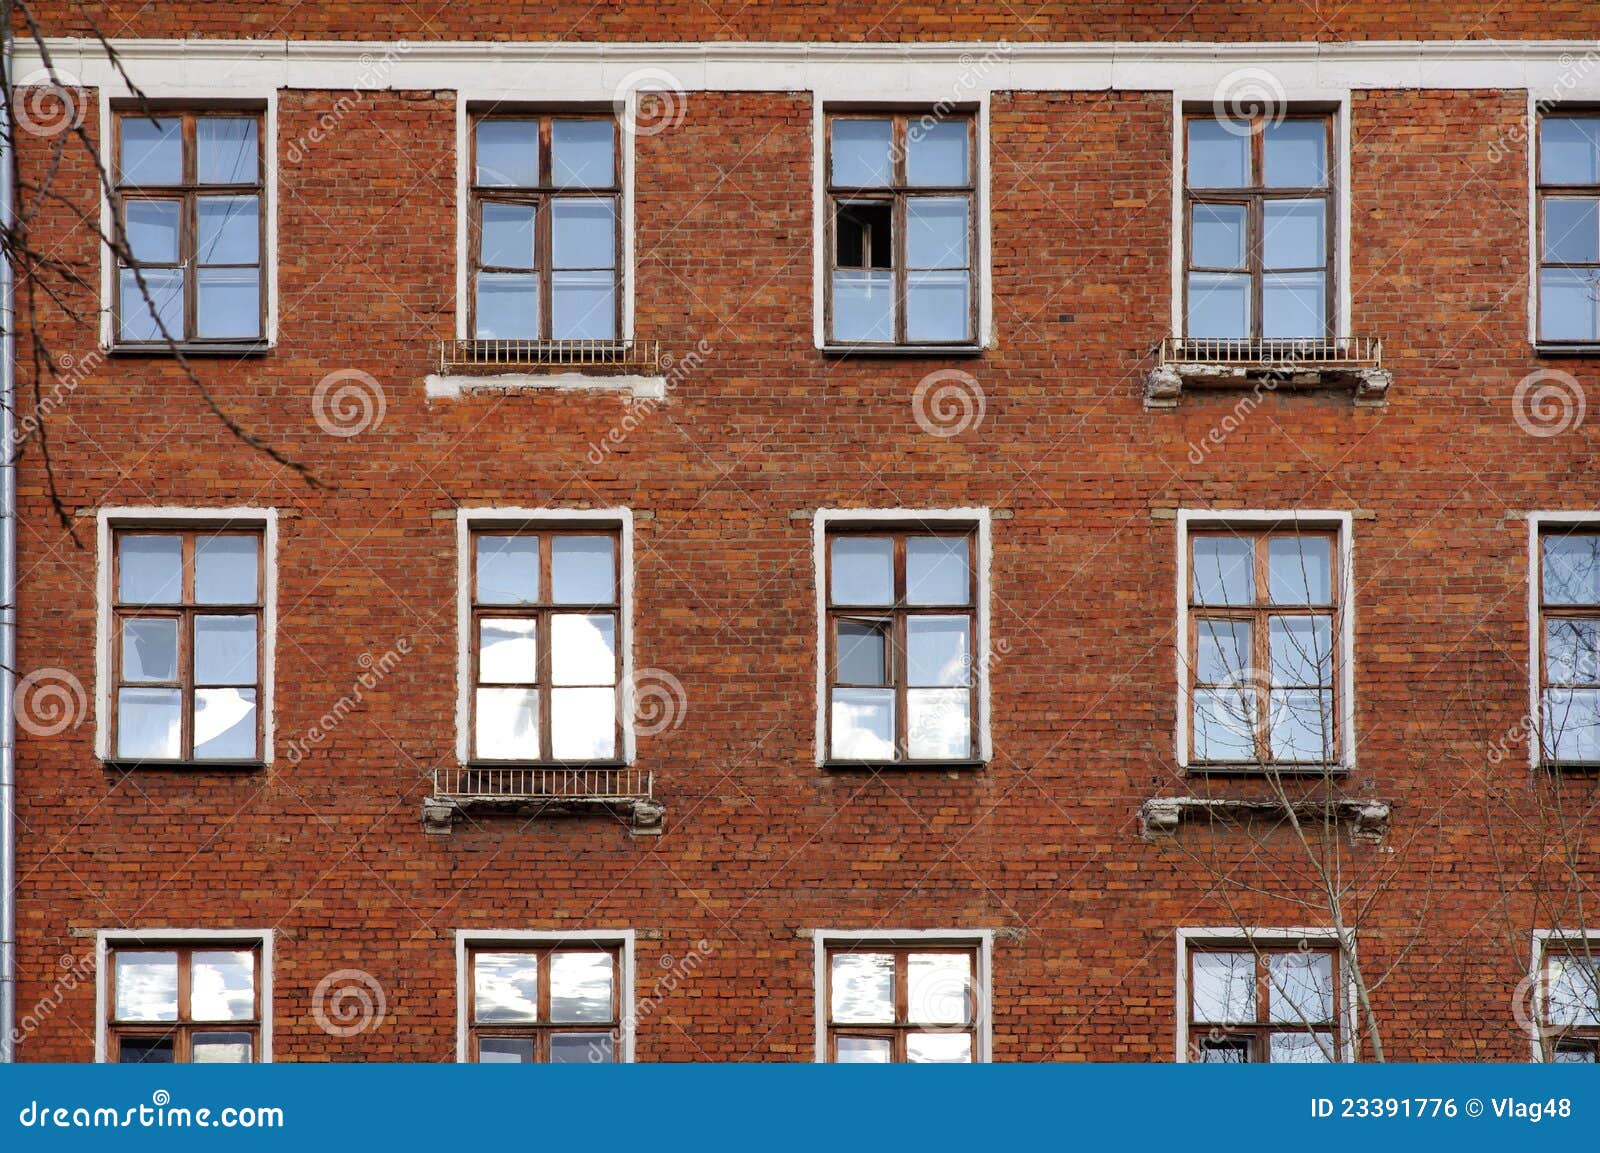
899	626
545	652
1569	227
544	237
1259	227
189	192
1569	643
1263	622
556	1002
891	1003
1569	999
1258	1003
171	1002
901	207
186	644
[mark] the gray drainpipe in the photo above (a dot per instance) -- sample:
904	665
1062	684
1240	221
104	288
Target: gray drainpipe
8	594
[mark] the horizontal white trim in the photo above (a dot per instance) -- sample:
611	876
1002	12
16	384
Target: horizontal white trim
470	938
106	940
452	387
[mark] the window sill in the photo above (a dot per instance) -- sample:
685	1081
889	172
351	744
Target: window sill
1567	348
194	348
906	350
894	766
128	765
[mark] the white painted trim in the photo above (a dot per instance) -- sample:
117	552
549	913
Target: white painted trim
978	517
468	519
1531	129
446	386
1226	935
152	516
1542	940
471	938
1537	521
966	938
1298	519
107	939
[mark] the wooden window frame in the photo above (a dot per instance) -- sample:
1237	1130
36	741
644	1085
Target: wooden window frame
541	612
188	192
1256	1036
896	194
541	199
541	1030
1545	755
897	1032
1549	191
184	612
893	617
182	1030
1254	197
1553	1038
1256	614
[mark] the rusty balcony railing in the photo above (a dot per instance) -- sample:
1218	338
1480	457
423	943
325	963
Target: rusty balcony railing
542	783
1348	352
642	356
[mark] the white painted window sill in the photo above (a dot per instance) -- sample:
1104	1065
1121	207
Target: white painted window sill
440	386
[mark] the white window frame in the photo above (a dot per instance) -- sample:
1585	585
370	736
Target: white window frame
1289	519
106	940
1537	523
108	520
469	520
1339	172
1543	940
979	519
981	939
1199	940
469	939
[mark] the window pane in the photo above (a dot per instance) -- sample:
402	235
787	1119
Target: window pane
508	570
507	651
152	228
583	306
147	986
938	1048
144	319
505	235
222	1049
507	725
505	987
1573	1056
581	153
152	150
1569	150
1219	155
150	649
583	724
937	651
147	723
1296	153
1224	1052
1571	568
939	724
936	153
1302	650
863	724
224	650
1299	570
1224	722
862	572
1302	1048
223	986
224	724
863	1050
1571	997
581	1048
1296	234
580	986
1568	299
228	230
1571	725
860	659
861	153
149	569
1224	572
1223	656
1224	988
583	233
1571	651
507	306
1301	726
936	306
1294	305
1219	306
583	570
863	988
1571	230
939	988
936	232
1300	987
583	649
936	570
505	1050
1216	235
144	1051
863	306
225	149
508	153
229	303
225	570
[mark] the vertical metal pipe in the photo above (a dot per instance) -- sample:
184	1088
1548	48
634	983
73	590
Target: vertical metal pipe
8	582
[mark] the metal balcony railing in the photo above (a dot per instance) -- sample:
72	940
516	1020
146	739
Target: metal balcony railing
541	783
638	355
1351	352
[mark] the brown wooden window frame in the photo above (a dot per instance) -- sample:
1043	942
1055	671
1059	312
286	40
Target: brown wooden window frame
1545	191
541	198
184	612
896	194
1549	611
1254	197
897	1032
1255	1037
541	1030
542	611
1257	614
188	193
1582	1041
893	618
183	1030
